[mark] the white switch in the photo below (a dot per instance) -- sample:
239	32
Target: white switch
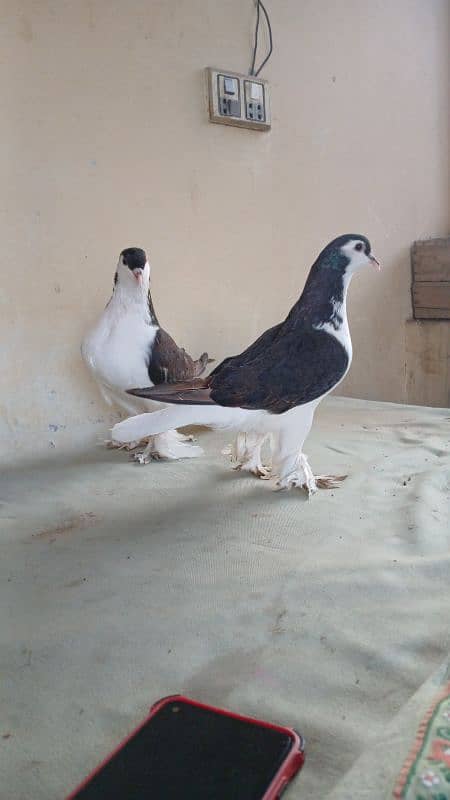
256	91
230	85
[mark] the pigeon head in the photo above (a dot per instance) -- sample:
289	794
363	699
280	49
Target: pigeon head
133	269
346	255
329	277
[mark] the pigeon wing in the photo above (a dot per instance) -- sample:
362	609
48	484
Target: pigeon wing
169	363
257	348
298	367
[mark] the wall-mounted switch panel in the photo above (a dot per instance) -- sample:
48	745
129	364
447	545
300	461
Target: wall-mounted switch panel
238	100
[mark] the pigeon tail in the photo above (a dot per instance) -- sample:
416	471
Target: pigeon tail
201	364
150	424
195	392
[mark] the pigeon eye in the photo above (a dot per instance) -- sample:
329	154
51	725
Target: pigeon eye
358	246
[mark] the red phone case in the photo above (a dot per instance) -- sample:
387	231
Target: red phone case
291	765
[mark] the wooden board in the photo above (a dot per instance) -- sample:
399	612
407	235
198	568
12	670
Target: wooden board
431	300
428	363
431	260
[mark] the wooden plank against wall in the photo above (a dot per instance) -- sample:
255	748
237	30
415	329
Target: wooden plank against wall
431	260
428	363
431	300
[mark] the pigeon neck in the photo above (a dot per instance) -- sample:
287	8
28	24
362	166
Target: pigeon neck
135	297
151	309
323	299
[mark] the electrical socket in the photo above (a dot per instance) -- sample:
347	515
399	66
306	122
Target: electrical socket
239	100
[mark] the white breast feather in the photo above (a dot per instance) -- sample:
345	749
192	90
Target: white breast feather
342	332
117	349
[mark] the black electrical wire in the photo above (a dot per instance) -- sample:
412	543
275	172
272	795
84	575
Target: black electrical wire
260	5
269	28
255	47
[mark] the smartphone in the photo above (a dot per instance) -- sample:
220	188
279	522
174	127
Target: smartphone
186	750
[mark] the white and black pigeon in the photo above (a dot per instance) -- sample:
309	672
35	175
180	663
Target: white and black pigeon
275	385
128	347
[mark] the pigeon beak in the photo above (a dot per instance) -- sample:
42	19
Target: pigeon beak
375	262
138	275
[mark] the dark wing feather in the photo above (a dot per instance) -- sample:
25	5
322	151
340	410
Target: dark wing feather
299	366
260	346
170	363
195	392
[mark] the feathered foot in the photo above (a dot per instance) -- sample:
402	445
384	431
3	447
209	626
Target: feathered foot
245	455
302	477
259	470
169	446
111	444
146	455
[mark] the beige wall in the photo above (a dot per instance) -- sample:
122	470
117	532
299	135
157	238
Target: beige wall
108	145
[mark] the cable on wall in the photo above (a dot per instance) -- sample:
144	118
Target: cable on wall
261	7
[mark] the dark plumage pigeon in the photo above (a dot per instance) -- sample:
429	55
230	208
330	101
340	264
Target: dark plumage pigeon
127	346
276	384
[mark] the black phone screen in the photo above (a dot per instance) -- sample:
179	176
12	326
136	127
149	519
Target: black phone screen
186	752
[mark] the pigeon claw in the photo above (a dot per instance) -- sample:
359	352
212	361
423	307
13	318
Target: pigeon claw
258	470
145	458
111	444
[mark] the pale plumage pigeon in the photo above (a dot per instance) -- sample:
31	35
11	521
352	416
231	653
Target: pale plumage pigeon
128	347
